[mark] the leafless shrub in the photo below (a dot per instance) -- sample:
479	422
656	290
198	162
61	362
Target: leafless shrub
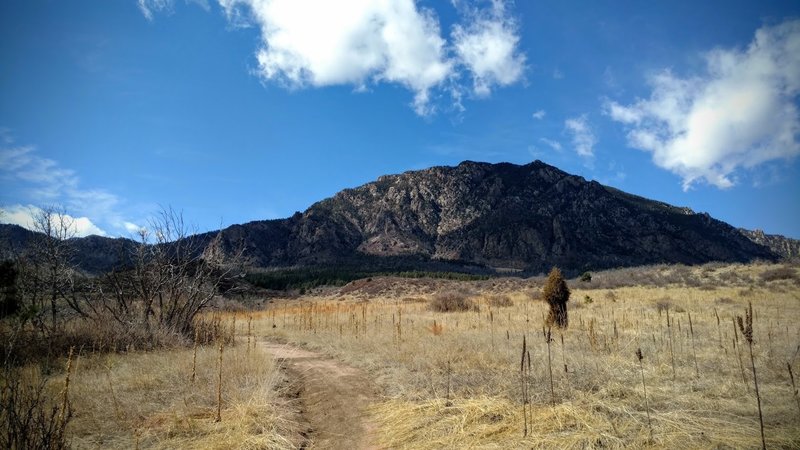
780	273
452	302
663	304
500	301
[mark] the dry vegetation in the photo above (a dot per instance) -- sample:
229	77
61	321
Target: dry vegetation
446	357
453	379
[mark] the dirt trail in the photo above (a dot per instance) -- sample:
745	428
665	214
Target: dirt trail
333	397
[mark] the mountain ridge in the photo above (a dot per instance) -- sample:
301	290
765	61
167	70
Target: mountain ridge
481	216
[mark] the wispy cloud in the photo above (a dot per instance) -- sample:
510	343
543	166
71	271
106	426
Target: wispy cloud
555	145
583	138
35	180
317	43
740	113
539	115
149	7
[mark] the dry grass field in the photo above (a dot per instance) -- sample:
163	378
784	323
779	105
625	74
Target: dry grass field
453	379
459	379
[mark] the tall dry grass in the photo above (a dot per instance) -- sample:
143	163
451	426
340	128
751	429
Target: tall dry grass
696	396
146	400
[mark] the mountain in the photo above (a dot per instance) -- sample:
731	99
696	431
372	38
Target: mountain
497	216
475	217
93	254
786	248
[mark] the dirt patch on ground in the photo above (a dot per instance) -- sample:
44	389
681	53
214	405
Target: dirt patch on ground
333	398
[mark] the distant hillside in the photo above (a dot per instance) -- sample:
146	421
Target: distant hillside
781	245
507	216
93	254
475	217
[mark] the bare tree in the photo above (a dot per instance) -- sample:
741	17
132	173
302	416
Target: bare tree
176	273
45	270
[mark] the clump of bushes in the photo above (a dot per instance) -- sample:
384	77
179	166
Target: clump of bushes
452	302
500	301
586	277
556	294
781	273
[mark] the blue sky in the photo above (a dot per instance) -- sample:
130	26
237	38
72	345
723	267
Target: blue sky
239	110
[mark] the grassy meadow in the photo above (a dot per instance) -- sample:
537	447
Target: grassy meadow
460	379
453	379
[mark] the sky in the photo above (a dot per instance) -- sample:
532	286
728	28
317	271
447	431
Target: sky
238	110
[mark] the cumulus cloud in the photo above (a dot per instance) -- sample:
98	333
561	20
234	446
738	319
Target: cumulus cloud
539	115
739	113
24	216
316	43
583	138
323	43
487	46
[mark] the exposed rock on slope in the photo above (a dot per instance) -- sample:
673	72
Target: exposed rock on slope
496	215
475	216
785	247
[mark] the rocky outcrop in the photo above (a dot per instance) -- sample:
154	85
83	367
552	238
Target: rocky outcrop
787	248
527	217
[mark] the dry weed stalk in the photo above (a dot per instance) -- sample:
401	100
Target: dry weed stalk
117	409
694	351
640	357
194	354
794	388
524	386
746	327
548	339
738	353
62	418
219	387
671	352
491	325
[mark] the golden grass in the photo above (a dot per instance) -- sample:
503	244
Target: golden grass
599	401
146	400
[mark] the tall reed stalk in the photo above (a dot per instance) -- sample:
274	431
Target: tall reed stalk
219	387
694	351
640	357
746	327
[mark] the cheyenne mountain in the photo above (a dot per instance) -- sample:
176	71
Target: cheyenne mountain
500	216
474	217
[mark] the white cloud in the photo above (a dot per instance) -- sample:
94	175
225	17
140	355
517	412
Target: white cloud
31	178
316	43
555	145
539	115
487	46
24	217
324	43
583	138
740	113
132	227
148	7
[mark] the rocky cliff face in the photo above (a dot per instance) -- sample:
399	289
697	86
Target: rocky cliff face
785	247
528	217
475	216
